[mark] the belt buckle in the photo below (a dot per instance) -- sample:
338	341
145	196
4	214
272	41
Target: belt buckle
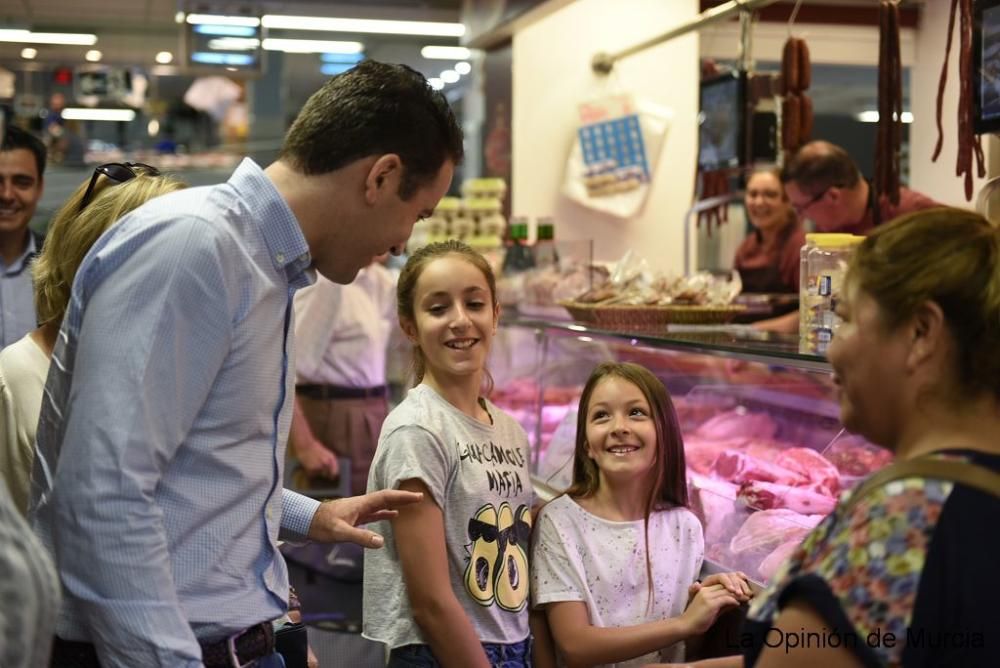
231	653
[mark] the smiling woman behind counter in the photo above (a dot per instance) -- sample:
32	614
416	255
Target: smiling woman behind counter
768	259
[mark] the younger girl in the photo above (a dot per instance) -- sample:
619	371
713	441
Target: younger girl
462	552
616	558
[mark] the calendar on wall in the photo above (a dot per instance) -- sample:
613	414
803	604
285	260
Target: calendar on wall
614	153
612	162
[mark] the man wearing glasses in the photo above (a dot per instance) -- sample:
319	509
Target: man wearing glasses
22	162
161	441
825	185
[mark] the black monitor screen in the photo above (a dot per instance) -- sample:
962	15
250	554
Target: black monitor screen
986	65
722	121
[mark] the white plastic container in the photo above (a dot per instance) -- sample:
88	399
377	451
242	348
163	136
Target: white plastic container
823	267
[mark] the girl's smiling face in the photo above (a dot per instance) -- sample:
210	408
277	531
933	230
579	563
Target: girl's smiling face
454	318
621	431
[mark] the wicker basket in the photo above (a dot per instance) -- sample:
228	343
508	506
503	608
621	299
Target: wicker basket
649	318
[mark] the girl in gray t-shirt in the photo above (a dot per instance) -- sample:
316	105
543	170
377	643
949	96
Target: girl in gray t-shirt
451	585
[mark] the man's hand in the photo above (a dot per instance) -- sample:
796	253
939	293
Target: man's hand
336	521
318	462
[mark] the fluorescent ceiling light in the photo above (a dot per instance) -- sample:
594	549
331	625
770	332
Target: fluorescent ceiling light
164	57
179	17
222	20
28	37
93	56
450	76
445	52
28	53
871	116
433	28
333	69
233	44
312	46
463	68
352	58
436	83
211	58
83	114
225	31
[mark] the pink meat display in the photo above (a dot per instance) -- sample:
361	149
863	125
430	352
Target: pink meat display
738	424
770	564
769	495
766	529
814	466
737	467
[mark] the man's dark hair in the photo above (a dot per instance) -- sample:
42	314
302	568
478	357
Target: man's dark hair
15	138
820	165
372	109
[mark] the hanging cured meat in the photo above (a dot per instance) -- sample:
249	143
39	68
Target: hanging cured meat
796	105
969	143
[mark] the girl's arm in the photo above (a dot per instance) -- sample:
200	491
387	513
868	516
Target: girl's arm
543	651
420	540
580	643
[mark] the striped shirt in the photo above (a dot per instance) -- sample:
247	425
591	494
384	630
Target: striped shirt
157	477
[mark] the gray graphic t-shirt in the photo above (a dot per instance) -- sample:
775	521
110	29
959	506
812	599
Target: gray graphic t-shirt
478	475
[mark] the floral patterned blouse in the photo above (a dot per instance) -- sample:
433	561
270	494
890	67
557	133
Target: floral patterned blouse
908	578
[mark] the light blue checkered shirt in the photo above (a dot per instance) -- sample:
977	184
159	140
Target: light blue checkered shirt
17	296
157	480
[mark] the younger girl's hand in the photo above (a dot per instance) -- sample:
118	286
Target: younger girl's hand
706	606
736	583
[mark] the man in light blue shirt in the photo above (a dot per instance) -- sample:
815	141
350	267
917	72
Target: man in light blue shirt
157	480
22	163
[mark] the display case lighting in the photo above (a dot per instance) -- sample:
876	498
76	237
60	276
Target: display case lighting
432	52
311	46
223	20
380	26
65	38
85	114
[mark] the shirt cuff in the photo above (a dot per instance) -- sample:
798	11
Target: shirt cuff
297	513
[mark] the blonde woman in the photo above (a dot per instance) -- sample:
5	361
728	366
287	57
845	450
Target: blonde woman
114	190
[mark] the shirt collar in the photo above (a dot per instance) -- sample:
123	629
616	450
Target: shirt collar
21	261
277	224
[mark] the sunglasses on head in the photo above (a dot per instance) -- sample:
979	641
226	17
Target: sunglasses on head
118	172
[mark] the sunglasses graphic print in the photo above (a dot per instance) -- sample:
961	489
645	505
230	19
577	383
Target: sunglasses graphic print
498	556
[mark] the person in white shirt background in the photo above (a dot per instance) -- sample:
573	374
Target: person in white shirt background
342	335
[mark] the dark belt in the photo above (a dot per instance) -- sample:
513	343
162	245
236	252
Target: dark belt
236	650
338	392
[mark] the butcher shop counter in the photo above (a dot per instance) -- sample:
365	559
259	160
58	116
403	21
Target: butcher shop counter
766	454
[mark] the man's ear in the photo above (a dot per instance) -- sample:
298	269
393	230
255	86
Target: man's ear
383	177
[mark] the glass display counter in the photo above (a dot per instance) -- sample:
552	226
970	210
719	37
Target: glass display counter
765	452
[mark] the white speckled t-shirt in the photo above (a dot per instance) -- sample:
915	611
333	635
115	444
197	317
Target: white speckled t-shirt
578	556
